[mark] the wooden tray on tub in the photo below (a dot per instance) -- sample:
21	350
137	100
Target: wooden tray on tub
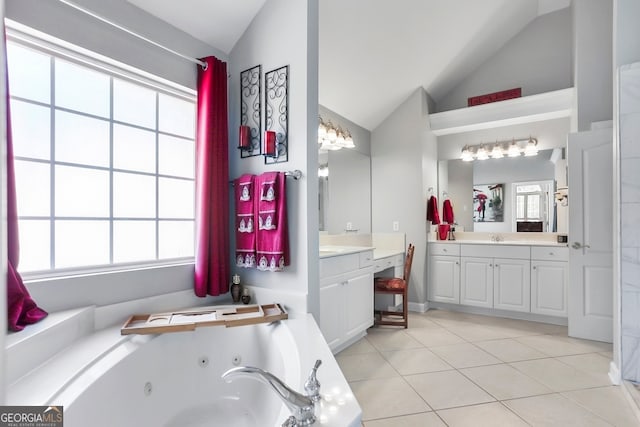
189	320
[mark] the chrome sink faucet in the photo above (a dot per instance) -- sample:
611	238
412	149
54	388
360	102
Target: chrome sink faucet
497	238
302	407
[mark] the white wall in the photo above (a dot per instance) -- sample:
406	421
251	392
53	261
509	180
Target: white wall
592	50
538	59
66	23
63	22
285	32
403	166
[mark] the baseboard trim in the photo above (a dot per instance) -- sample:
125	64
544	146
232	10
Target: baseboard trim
418	307
614	374
562	321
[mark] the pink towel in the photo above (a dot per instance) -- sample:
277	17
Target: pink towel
432	210
272	238
245	219
447	212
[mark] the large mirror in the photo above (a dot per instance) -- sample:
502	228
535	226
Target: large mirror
344	181
502	195
509	194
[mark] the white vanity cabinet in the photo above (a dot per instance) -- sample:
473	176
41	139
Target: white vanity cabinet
549	280
444	273
496	276
346	297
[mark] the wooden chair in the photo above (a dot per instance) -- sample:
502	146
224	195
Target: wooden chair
395	286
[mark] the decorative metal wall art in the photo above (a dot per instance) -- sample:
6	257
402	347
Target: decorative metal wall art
250	131
276	99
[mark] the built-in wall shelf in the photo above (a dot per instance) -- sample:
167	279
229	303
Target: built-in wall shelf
533	108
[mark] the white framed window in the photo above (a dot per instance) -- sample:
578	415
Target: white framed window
105	163
533	203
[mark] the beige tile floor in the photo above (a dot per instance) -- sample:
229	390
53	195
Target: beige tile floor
457	369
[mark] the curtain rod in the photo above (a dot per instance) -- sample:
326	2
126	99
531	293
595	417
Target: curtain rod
128	31
295	174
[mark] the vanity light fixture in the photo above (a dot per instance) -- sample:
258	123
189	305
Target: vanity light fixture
497	150
532	148
497	153
467	154
332	137
482	154
514	150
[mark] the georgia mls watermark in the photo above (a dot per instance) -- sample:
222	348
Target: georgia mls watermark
31	416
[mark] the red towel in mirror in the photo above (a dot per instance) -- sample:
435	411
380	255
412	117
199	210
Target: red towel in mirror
447	212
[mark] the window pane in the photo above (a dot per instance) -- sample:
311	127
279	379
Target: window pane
82	89
81	192
81	243
134	149
29	73
35	250
81	139
533	206
31	130
134	196
134	104
176	157
176	239
134	241
520	207
33	188
176	198
176	116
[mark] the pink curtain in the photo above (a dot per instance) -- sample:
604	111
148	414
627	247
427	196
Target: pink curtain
212	181
21	308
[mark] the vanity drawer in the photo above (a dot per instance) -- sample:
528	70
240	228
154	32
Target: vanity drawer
496	250
550	253
332	266
387	262
451	249
366	259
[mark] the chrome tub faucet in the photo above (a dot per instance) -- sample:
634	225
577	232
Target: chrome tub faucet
301	406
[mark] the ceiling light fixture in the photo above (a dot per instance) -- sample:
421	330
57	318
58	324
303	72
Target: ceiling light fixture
332	137
497	150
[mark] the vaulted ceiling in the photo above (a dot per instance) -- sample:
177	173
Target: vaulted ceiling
375	53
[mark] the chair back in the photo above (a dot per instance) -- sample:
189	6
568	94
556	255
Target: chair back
407	263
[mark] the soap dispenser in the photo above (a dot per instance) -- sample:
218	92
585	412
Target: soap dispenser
452	235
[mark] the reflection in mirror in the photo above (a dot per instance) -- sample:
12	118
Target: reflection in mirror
509	210
344	181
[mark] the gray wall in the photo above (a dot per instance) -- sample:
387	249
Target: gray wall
538	60
593	56
460	191
404	165
285	32
349	189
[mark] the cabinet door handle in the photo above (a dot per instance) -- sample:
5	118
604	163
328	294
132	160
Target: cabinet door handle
457	262
444	250
490	265
534	267
497	265
551	253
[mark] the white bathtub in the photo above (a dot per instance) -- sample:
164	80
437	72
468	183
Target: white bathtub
175	379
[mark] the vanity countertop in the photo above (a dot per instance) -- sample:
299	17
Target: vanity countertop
332	250
327	251
501	243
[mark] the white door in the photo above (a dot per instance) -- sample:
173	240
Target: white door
476	282
511	278
444	279
590	168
